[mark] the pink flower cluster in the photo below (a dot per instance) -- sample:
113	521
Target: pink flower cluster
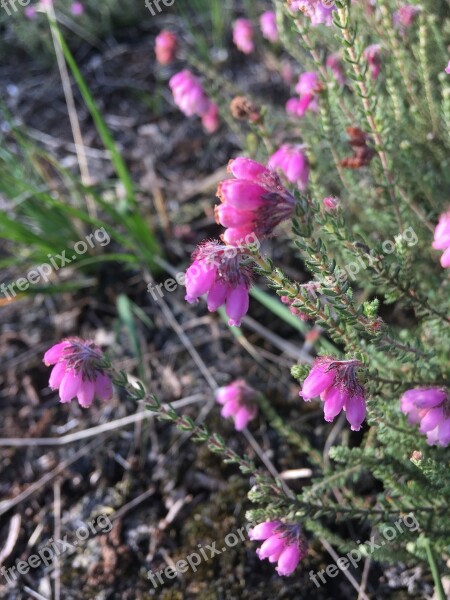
431	408
336	383
217	271
189	96
442	238
77	372
320	13
405	16
255	202
293	162
268	24
308	88
166	44
237	400
284	544
243	35
373	56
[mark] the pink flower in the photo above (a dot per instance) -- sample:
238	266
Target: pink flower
308	87
330	203
284	544
336	383
188	94
30	12
210	120
372	55
319	12
77	371
166	44
243	35
268	23
237	400
218	272
447	68
404	17
335	65
77	8
442	238
255	202
431	408
293	162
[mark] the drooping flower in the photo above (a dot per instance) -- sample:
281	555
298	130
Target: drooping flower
243	35
336	383
431	408
308	88
442	238
293	162
320	12
188	94
166	44
268	23
284	544
217	270
334	63
78	372
405	16
210	120
373	56
237	400
77	9
255	202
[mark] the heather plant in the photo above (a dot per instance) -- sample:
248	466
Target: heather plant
352	170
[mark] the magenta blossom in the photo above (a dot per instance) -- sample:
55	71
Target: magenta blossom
188	94
166	44
431	408
336	383
268	23
293	162
447	68
237	399
405	16
284	544
442	238
330	203
77	371
308	87
210	120
255	202
320	12
243	35
373	56
217	270
30	12
335	65
77	9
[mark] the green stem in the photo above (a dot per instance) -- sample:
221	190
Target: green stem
435	571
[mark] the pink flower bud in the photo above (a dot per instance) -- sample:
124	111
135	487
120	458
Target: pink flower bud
429	407
243	35
237	401
293	162
268	23
166	44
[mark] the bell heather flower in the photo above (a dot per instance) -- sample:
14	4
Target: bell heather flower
77	9
166	44
330	203
255	202
372	55
237	400
431	408
308	87
334	63
293	162
210	120
336	383
404	17
447	68
268	23
188	94
243	35
77	372
217	271
442	238
284	544
31	13
319	12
